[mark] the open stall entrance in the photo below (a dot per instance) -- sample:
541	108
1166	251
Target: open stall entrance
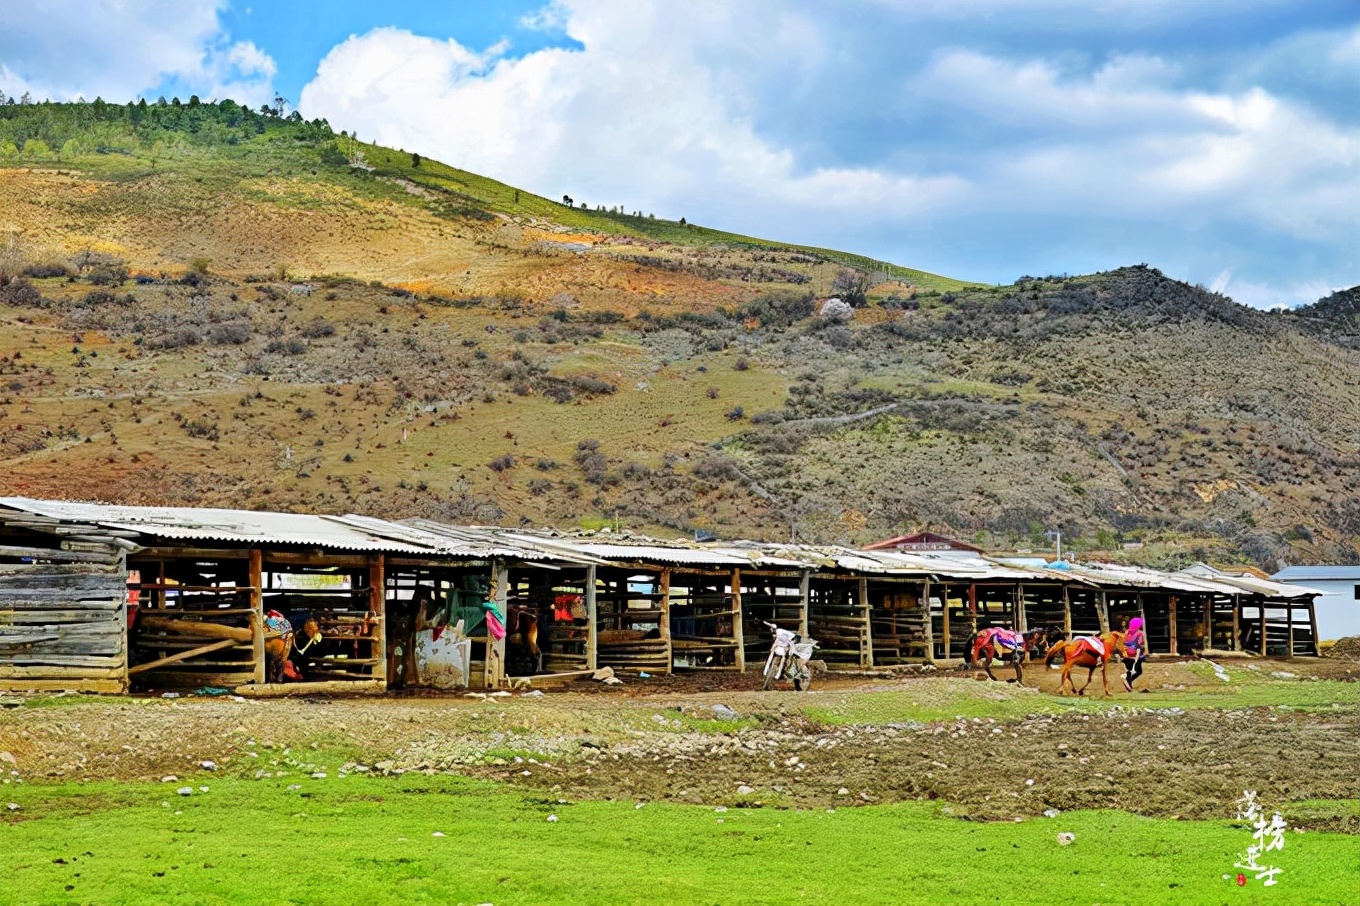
839	618
705	611
548	628
779	598
437	631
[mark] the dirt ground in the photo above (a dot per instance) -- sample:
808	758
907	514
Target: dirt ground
715	739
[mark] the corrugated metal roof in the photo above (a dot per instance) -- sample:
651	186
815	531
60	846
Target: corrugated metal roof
204	524
1251	584
1321	573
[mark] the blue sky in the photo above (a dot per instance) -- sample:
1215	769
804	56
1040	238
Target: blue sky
1218	141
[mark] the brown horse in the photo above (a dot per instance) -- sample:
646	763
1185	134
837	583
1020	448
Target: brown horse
523	626
1089	652
1002	644
278	648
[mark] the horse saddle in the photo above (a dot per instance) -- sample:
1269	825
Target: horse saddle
1093	645
277	622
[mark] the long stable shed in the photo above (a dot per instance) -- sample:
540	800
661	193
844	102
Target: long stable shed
113	598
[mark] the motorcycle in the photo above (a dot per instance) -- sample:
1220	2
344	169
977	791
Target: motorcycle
790	657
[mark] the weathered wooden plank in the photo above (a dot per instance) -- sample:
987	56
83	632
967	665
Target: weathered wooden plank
93	605
67	660
47	553
344	687
181	656
106	612
152	623
102	686
8	671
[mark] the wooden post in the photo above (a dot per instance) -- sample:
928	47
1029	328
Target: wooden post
1261	612
972	606
1103	611
124	641
256	613
493	668
592	622
1021	621
1171	607
738	631
1289	629
1208	621
1067	612
1237	622
665	627
805	601
944	623
377	603
930	621
866	650
1312	621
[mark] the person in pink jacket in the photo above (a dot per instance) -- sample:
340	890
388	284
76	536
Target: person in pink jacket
1135	652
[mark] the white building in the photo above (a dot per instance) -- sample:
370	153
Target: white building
1338	610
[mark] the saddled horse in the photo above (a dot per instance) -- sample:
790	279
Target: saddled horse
278	649
1085	651
1002	644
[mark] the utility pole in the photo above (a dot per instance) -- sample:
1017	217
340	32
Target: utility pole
1055	536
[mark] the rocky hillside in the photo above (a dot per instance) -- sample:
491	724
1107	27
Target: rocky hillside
200	304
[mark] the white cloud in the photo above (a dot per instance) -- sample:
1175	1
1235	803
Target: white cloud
667	108
120	50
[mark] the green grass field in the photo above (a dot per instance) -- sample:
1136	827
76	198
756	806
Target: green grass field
373	840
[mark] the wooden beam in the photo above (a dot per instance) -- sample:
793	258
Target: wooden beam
1261	612
1021	621
738	631
1236	622
158	623
1067	613
330	687
804	601
377	585
1103	611
592	621
1289	629
257	654
102	686
930	623
944	623
1208	603
493	669
866	653
1312	620
1175	631
58	556
182	656
972	606
664	589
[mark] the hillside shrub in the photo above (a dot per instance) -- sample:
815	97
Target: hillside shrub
230	333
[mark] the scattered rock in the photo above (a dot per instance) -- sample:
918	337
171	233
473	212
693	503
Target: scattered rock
319	775
437	834
745	790
552	819
208	765
723	712
836	311
1065	838
185	791
13	806
1051	813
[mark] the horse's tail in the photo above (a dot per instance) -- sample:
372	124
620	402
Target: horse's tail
969	655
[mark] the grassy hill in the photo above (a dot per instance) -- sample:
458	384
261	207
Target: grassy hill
207	305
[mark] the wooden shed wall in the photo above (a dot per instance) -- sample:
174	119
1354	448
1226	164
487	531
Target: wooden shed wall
63	626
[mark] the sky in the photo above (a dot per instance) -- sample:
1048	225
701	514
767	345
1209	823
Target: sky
1217	140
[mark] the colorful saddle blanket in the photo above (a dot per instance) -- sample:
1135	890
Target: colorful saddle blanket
1007	640
277	622
1092	644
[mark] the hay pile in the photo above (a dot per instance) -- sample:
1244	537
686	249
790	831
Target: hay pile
1347	648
